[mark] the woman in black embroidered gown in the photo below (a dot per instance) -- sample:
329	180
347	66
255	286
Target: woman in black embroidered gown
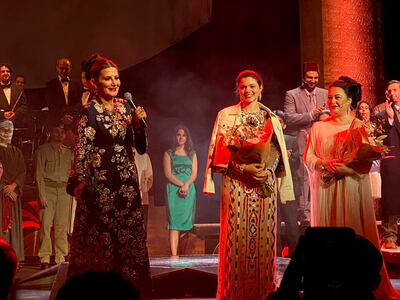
109	231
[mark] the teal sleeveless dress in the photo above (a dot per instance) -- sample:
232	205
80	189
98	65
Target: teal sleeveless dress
181	211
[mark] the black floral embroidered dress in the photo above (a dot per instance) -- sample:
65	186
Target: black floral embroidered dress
109	232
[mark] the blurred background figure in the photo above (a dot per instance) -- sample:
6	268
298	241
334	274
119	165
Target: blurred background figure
20	80
145	175
62	99
302	108
53	165
13	103
11	185
180	170
372	123
390	168
87	89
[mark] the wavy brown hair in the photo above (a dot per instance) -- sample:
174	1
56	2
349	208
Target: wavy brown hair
189	148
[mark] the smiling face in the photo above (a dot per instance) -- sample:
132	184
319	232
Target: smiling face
249	90
338	102
393	93
5	74
311	80
108	83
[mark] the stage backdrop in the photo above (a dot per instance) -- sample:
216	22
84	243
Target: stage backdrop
36	33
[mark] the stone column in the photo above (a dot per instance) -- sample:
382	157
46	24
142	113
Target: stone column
346	38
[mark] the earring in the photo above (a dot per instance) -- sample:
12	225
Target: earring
259	97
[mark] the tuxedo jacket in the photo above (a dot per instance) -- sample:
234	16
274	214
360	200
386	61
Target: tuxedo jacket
18	104
54	99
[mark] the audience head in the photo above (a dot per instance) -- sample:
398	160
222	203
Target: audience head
249	86
6	132
182	137
20	80
343	95
310	75
8	268
99	286
5	73
332	263
63	67
393	91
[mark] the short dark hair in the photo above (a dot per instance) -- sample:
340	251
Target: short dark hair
7	66
249	73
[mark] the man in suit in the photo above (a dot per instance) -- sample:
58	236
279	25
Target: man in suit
62	98
13	103
390	168
302	108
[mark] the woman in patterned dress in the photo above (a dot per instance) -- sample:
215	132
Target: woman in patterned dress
109	232
248	147
180	169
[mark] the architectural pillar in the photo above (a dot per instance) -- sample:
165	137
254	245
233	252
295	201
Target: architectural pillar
346	38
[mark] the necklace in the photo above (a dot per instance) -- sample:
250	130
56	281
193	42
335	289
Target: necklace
253	119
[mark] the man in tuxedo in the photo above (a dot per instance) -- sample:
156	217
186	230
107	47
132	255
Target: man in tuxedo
302	108
62	97
390	168
13	103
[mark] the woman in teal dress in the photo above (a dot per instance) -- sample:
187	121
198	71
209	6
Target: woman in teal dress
180	169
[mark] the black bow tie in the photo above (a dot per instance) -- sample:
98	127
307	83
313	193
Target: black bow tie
64	80
3	86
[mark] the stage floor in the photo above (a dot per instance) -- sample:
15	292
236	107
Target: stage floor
161	267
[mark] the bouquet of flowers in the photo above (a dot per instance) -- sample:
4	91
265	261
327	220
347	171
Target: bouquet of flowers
250	144
356	148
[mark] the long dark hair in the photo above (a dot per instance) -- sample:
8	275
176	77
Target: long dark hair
189	149
358	116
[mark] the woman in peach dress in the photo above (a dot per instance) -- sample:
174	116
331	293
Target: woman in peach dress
340	185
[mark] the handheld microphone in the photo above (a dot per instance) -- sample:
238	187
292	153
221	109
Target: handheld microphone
128	97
